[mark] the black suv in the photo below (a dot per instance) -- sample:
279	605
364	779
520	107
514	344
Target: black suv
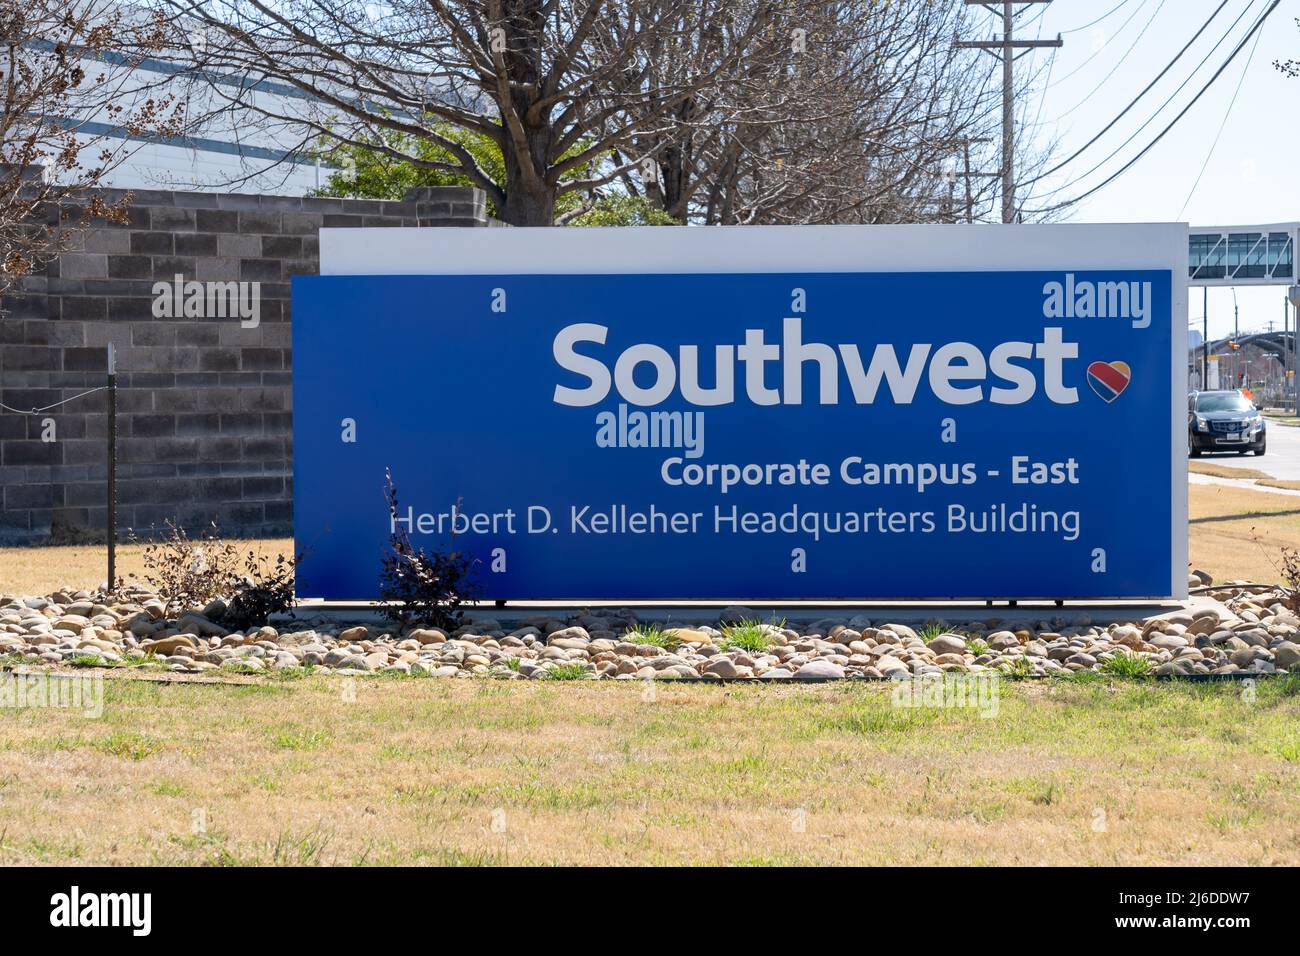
1223	421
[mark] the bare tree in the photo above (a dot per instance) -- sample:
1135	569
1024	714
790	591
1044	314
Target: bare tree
63	67
558	85
712	111
876	117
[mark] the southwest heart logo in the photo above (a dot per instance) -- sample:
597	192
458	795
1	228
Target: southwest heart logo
1109	379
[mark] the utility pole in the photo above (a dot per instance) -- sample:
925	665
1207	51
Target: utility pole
1003	48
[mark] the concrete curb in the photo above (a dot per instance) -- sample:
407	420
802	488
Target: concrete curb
681	613
1245	484
200	679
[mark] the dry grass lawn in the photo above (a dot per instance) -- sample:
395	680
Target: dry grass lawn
1236	533
382	770
466	771
39	570
1223	471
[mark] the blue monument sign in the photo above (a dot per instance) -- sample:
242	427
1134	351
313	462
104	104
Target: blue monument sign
762	434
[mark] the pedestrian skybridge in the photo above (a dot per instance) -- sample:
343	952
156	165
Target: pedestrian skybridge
1243	255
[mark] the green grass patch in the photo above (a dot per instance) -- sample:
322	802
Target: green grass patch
652	635
128	745
235	666
932	630
166	788
300	740
1018	668
291	673
748	636
568	672
1128	667
92	660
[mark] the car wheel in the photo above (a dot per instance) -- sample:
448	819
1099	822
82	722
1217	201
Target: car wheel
1192	450
1259	449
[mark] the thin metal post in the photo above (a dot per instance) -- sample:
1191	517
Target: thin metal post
1205	338
1288	355
111	522
1236	334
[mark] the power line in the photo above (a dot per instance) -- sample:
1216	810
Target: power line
1219	72
1038	116
1160	109
1147	89
1051	62
1122	3
1025	107
1226	113
1036	18
1102	50
1118	64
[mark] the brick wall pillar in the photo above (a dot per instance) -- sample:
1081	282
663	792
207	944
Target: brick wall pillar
204	403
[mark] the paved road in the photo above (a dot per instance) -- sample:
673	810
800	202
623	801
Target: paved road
1282	460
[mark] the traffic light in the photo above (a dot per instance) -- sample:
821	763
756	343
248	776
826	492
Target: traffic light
1241	378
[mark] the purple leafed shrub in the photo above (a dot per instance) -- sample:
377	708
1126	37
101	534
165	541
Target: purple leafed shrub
419	587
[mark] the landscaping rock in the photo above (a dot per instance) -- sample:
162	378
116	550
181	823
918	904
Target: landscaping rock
1252	632
1286	655
819	670
169	645
947	644
726	668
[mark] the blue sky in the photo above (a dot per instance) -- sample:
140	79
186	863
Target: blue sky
1252	176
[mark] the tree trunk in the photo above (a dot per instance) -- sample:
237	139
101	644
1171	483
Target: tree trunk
530	200
523	208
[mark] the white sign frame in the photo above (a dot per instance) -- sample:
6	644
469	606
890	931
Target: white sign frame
1063	247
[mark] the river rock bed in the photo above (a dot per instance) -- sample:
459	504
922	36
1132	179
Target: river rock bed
1250	631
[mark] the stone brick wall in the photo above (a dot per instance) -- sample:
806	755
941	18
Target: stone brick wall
204	404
